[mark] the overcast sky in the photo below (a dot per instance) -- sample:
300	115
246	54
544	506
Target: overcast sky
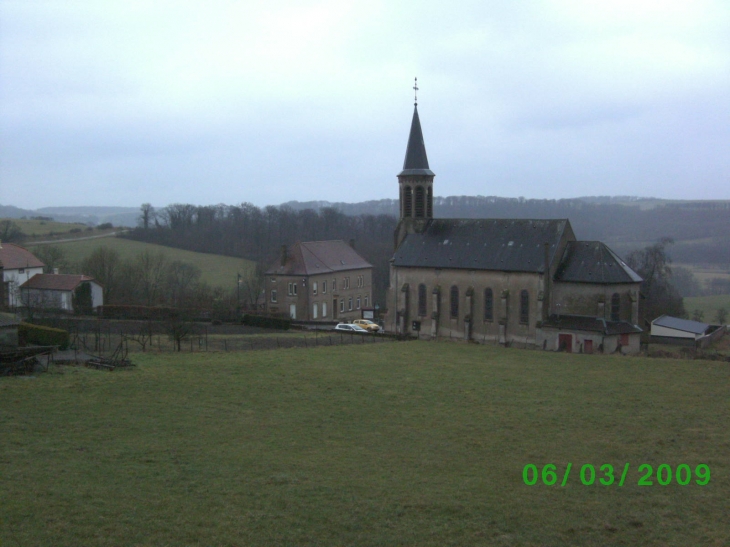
125	102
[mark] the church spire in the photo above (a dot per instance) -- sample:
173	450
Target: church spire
416	179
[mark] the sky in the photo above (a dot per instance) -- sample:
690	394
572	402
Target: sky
129	102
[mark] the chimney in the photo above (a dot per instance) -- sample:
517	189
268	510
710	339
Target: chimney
55	271
283	255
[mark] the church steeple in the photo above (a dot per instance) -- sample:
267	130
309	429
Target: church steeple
416	160
416	179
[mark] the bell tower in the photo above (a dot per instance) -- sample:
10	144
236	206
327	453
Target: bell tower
415	181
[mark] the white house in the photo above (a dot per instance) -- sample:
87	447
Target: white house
19	265
57	291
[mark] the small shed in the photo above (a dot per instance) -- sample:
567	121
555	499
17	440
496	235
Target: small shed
588	334
684	332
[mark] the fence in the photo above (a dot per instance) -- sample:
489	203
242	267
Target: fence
101	342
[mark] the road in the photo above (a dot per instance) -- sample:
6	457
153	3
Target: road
51	241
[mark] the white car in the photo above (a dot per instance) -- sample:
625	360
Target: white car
347	327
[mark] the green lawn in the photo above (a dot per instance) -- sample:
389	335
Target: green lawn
220	271
415	443
708	305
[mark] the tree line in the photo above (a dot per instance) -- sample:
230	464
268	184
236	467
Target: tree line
257	234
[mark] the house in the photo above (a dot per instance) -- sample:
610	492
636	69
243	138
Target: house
525	282
18	265
319	281
683	332
64	292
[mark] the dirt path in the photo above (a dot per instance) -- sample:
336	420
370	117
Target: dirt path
50	241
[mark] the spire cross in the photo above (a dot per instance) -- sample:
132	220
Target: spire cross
415	94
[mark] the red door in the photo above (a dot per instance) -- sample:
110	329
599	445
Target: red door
589	346
565	342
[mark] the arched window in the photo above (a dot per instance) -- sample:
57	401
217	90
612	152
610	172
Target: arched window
455	302
524	307
422	299
615	307
420	205
429	202
407	202
488	305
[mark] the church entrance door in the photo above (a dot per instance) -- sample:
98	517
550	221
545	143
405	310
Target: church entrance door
565	342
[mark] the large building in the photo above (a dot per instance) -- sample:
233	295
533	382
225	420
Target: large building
319	281
520	282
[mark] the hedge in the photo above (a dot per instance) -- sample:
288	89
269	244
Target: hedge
42	336
266	321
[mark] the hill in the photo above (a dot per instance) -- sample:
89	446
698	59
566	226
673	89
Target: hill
414	443
218	271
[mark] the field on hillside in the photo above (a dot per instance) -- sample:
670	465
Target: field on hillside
413	443
46	227
219	271
708	305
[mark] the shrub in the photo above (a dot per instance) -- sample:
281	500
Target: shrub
105	226
42	336
267	322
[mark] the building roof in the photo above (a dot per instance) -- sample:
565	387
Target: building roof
515	245
416	160
14	257
685	325
56	282
316	257
591	324
593	262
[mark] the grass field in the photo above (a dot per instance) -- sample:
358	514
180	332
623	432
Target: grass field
708	305
415	443
45	227
219	271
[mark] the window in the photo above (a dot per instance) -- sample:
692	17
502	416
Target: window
294	289
346	283
334	285
314	288
324	309
324	288
407	202
420	209
21	270
315	310
454	302
342	304
349	303
273	295
524	307
615	307
429	202
422	300
366	300
488	305
357	302
273	280
360	281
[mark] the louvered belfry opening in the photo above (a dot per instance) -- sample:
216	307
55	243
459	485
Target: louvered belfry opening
420	204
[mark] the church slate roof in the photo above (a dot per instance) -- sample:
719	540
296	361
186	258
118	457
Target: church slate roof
416	161
511	245
593	262
316	257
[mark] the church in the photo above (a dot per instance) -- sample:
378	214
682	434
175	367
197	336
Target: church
514	282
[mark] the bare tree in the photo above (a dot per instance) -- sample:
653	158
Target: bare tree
52	256
10	231
147	215
150	269
104	265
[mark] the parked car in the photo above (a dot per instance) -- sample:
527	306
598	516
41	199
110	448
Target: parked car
347	327
367	325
